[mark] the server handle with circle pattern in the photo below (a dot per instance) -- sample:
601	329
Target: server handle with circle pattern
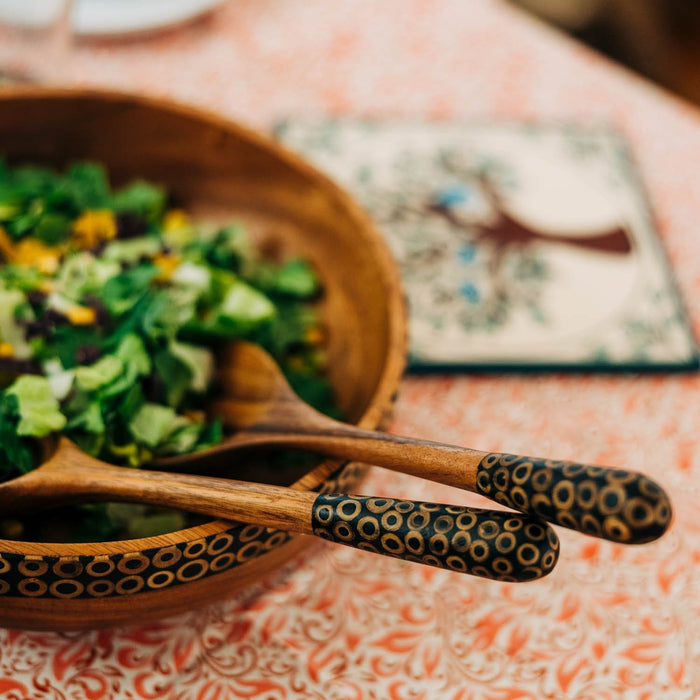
493	544
490	543
615	504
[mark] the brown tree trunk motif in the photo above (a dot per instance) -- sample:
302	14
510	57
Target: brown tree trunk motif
506	232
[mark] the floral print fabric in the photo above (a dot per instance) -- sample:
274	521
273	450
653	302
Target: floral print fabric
610	622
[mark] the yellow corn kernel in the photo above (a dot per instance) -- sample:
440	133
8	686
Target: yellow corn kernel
34	253
296	363
47	286
93	226
167	264
6	349
81	316
175	219
48	265
195	415
314	335
6	246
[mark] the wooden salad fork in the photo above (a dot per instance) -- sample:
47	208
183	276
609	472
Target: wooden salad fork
261	409
492	544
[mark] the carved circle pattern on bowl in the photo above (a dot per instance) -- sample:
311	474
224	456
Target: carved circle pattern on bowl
135	572
216	169
152	569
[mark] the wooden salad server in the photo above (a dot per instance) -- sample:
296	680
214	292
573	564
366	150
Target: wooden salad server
493	544
259	405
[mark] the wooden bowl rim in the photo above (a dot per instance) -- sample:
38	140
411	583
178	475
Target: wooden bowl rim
394	362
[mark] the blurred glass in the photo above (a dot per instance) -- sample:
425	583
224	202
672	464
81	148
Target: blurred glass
35	38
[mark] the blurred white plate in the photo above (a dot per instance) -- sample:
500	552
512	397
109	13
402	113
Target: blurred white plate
106	17
115	17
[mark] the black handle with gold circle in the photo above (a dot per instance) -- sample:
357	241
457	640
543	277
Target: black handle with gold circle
615	504
493	544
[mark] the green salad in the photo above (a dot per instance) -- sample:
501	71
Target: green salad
111	303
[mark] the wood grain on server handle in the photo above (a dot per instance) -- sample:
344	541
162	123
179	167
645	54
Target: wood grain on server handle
492	544
262	410
223	171
615	504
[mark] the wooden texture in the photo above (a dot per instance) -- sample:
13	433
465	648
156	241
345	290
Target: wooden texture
216	169
615	504
492	544
71	476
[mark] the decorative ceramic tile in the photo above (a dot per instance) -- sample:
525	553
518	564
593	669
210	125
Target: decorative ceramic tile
520	245
611	622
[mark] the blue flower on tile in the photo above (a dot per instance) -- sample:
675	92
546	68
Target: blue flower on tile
467	253
469	292
452	196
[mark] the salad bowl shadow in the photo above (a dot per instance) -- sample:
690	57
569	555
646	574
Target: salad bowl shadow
216	169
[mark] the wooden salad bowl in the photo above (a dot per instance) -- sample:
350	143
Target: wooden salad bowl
215	169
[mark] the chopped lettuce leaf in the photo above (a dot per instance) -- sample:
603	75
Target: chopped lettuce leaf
295	278
20	277
16	454
244	307
87	186
211	434
182	440
314	390
131	402
59	303
12	332
199	360
90	420
136	363
61	380
99	374
189	274
52	228
68	343
124	289
141	198
194	436
83	273
154	423
228	249
132	250
168	312
175	374
39	413
288	329
132	352
121	292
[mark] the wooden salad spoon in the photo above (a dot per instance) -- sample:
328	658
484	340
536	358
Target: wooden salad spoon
259	405
494	544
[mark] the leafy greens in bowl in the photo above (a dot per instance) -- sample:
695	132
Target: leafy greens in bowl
111	301
218	170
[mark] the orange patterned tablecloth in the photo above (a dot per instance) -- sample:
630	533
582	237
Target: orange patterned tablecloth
610	622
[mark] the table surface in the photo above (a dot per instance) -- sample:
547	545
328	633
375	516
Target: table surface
610	622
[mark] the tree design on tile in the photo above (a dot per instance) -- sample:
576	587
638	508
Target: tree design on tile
504	233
